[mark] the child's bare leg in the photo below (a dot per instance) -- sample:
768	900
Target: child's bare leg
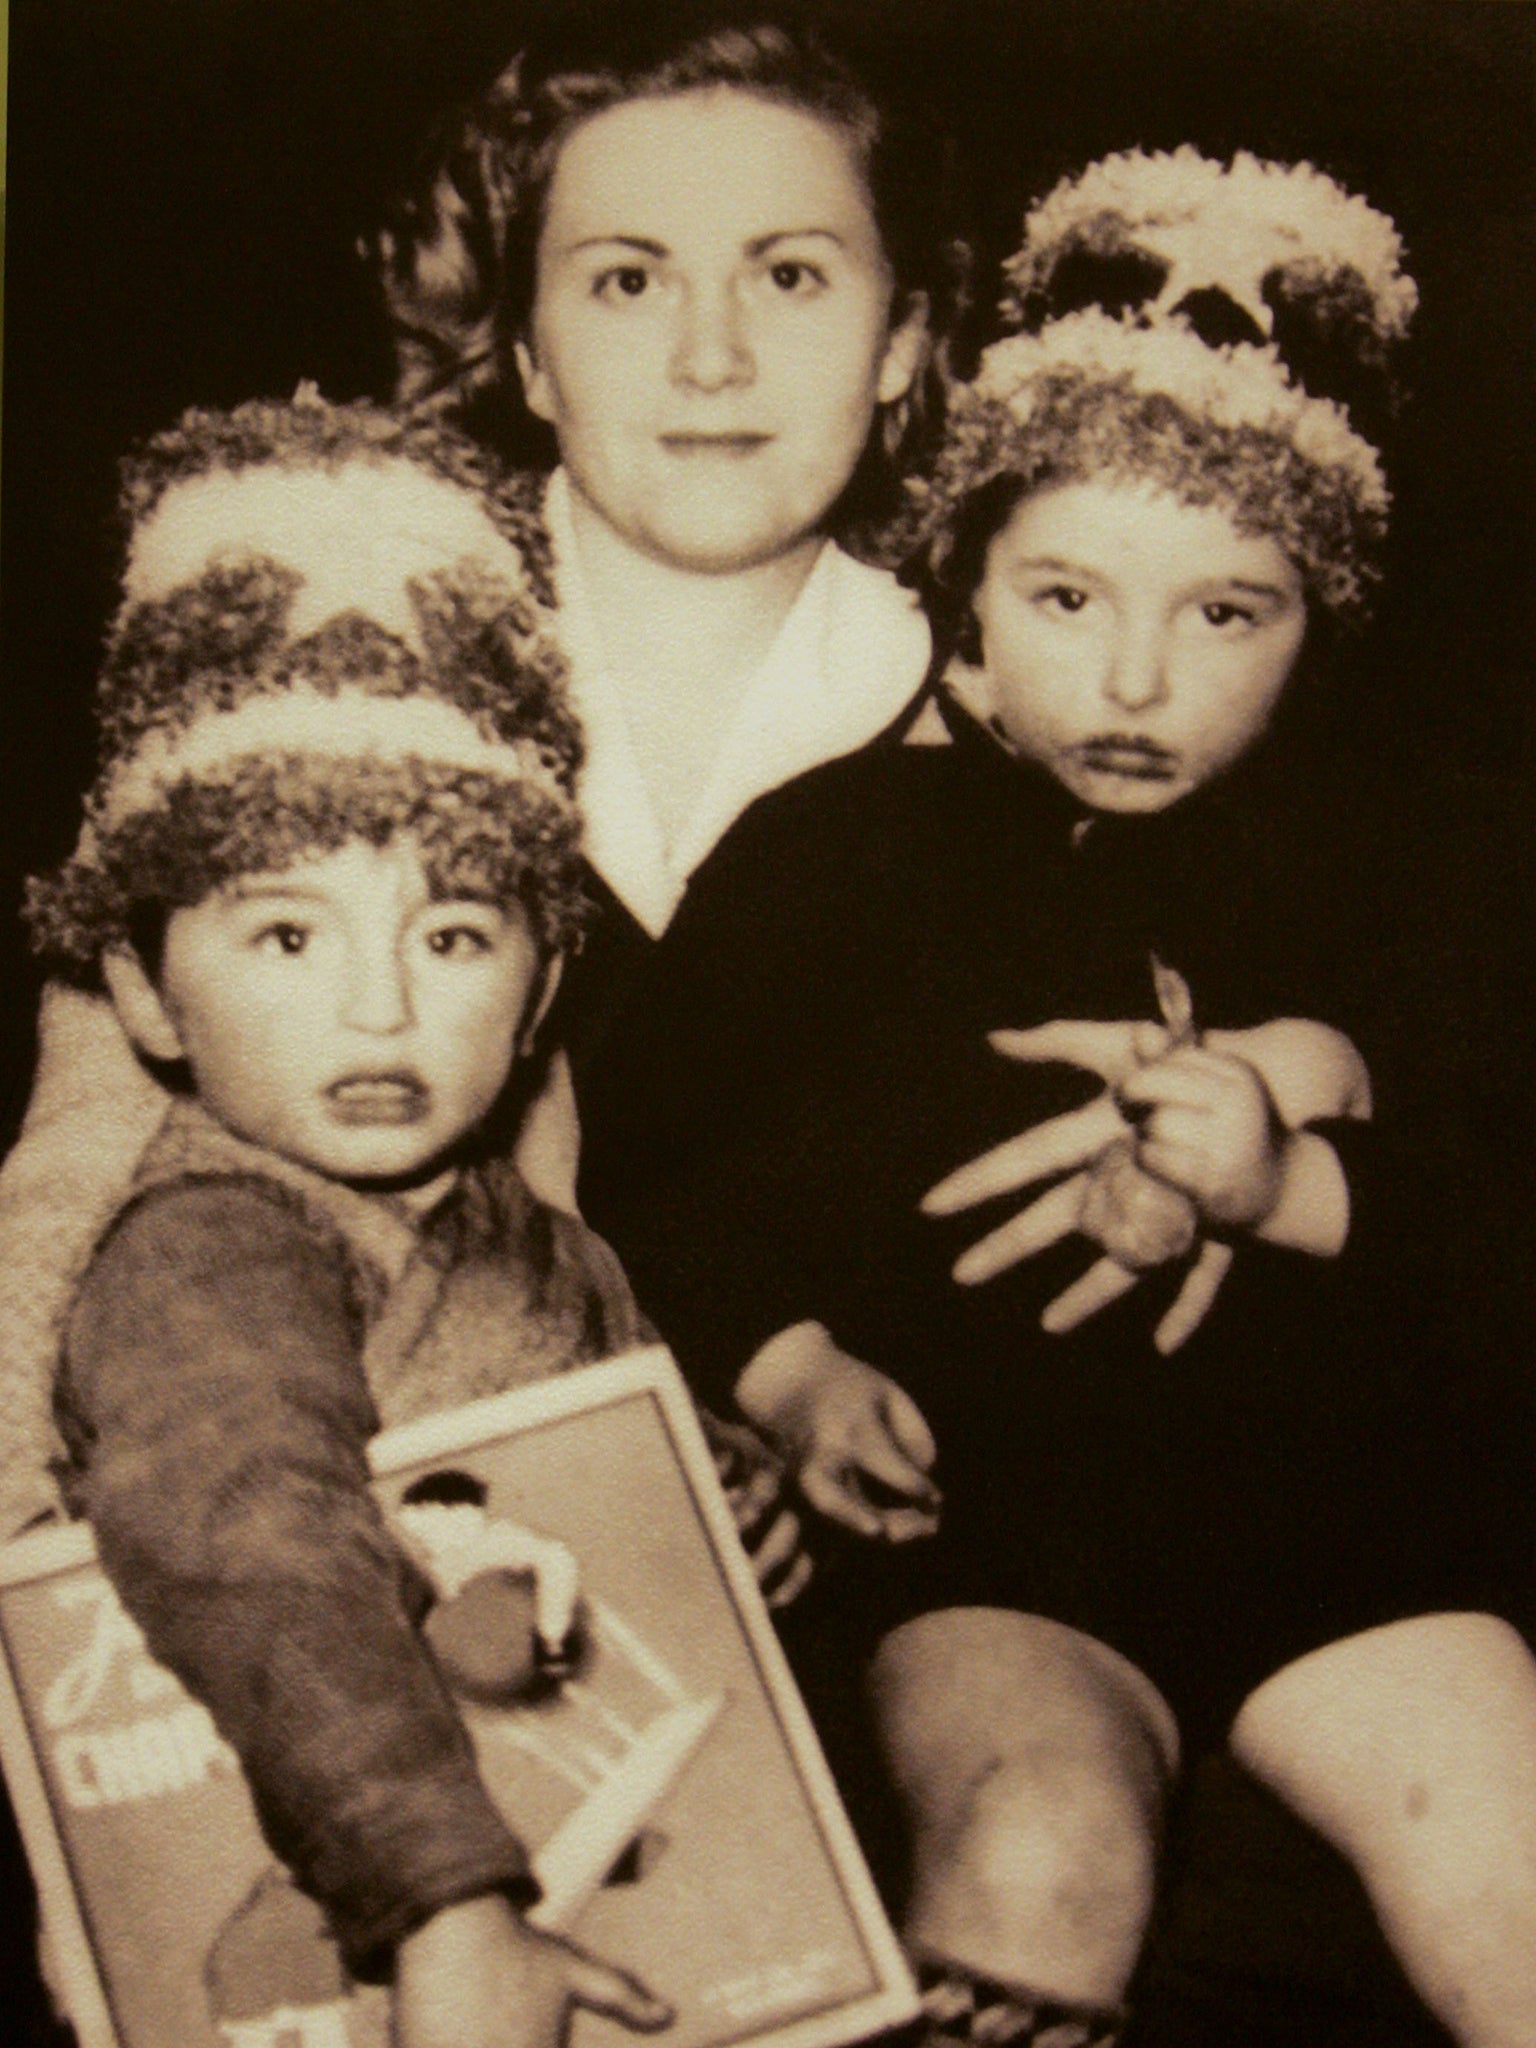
1032	1764
1412	1748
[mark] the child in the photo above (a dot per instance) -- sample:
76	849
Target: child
1142	532
329	872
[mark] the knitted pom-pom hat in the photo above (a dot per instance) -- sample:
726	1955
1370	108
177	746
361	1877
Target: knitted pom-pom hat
1220	330
334	624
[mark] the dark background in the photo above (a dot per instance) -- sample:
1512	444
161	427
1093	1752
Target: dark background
187	180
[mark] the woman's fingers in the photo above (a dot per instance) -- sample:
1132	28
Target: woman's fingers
1060	1145
1112	1051
1195	1298
1105	1281
1045	1222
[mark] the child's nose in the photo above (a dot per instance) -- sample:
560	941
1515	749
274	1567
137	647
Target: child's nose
712	350
1137	676
377	994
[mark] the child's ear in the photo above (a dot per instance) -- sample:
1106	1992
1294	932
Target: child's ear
140	1009
905	353
540	1001
536	387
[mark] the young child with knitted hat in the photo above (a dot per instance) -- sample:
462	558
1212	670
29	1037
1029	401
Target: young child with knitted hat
1176	1510
328	871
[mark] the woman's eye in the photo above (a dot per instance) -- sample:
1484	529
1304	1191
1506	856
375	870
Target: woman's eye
626	281
1222	613
1062	597
289	939
791	275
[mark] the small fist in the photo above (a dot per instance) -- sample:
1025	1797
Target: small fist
1139	1221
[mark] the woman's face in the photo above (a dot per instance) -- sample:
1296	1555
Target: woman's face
1133	645
711	325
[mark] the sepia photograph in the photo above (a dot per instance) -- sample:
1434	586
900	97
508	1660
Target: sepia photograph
832	696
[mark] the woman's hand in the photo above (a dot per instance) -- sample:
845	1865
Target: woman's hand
1309	1072
476	1975
856	1442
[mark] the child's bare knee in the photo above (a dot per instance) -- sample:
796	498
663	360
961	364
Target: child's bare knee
1032	1768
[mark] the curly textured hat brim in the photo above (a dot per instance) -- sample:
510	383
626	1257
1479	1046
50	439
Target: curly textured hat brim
1232	433
480	836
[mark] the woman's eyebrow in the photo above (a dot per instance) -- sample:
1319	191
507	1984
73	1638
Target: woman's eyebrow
761	244
641	244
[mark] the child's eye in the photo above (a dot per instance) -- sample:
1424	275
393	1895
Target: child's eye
1064	597
624	281
1220	612
458	941
290	939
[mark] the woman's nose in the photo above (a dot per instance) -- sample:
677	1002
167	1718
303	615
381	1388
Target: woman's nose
1137	675
377	994
712	349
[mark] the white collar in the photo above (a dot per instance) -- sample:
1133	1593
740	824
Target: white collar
848	659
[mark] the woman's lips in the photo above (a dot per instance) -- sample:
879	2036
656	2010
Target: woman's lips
732	446
396	1097
1127	754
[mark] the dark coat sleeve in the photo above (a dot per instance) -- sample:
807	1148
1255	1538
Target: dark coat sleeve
214	1400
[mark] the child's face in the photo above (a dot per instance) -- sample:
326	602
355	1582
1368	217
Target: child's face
357	535
337	1015
1132	644
711	327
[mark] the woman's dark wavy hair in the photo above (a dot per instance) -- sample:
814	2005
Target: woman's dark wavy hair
456	260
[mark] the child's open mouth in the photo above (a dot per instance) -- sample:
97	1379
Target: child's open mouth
1141	760
397	1097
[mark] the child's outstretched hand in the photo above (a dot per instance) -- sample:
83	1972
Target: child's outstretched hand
856	1442
476	1975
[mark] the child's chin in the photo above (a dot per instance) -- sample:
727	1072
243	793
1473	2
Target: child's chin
379	1159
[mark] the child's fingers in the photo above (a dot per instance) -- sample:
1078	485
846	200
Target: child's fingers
831	1492
909	1426
1060	1145
755	1497
1045	1222
1173	1157
793	1583
776	1548
1190	1076
601	1988
878	1456
1105	1281
1108	1050
1195	1298
907	1525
